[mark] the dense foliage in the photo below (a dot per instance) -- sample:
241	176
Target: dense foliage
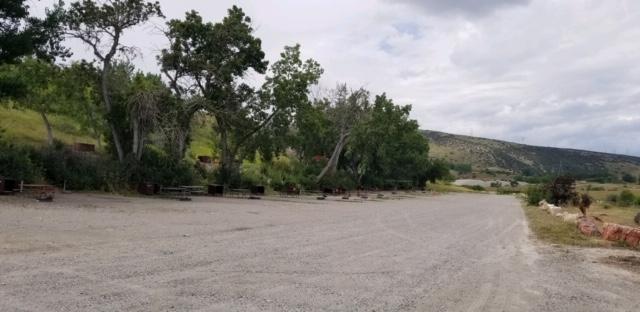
275	134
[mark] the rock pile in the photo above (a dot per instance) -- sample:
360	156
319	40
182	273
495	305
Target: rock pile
622	233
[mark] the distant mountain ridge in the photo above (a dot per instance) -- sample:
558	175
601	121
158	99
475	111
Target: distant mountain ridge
495	155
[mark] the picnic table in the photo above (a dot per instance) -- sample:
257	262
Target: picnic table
43	192
179	193
239	192
290	191
195	189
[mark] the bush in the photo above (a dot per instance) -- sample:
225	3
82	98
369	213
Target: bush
254	172
626	198
536	193
478	188
158	167
339	180
629	178
16	163
461	168
612	198
562	190
80	171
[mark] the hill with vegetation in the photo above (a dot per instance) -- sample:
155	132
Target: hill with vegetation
469	155
487	156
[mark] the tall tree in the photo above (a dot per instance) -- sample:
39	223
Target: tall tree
81	85
388	145
144	104
23	35
206	62
313	134
101	27
347	109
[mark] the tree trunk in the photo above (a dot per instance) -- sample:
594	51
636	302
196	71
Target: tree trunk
135	128
140	149
106	67
98	138
229	168
47	125
332	164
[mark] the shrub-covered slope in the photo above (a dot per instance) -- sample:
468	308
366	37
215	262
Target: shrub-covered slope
487	154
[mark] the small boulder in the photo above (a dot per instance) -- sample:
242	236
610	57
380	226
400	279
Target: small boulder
588	226
632	238
612	232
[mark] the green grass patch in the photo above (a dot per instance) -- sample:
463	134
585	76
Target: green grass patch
27	128
203	138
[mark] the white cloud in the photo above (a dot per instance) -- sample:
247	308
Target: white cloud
557	73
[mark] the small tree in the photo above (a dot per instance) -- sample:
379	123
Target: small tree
42	85
585	203
562	190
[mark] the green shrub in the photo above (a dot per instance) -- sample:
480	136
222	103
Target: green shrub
629	178
536	193
478	188
81	171
338	180
158	167
612	198
16	163
461	168
626	198
253	173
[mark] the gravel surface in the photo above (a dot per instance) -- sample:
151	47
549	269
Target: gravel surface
87	252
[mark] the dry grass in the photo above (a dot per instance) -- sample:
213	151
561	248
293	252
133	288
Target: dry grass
553	230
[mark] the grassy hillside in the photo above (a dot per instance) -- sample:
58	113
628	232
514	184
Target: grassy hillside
26	127
512	158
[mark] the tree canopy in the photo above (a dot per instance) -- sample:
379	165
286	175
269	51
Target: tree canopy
272	132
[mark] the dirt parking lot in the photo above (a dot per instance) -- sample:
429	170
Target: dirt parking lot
89	252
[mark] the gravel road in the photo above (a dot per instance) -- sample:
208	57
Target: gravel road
441	253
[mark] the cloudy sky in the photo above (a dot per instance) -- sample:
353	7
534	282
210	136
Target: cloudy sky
562	73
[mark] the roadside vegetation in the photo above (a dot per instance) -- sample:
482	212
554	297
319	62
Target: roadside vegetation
612	203
198	121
